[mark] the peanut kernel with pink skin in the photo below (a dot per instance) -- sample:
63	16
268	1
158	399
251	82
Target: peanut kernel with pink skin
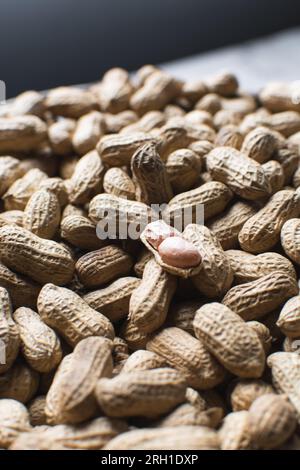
178	252
156	232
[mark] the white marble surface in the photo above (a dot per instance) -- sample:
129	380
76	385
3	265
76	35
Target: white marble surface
275	57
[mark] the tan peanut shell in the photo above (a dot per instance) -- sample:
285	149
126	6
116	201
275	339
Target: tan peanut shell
92	435
115	90
255	299
42	214
42	260
101	266
289	318
150	301
21	133
214	197
244	176
152	185
117	150
22	291
263	333
290	239
188	355
226	226
149	393
28	102
262	231
56	186
272	421
150	120
234	433
285	367
14	420
70	102
246	391
168	438
158	90
229	136
72	317
113	300
36	409
19	383
90	127
259	144
143	360
80	232
183	169
182	314
10	171
172	136
12	217
9	333
275	173
189	415
278	96
114	123
118	183
60	135
133	336
18	194
215	276
39	343
70	398
230	340
86	181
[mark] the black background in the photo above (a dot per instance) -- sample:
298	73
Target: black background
45	43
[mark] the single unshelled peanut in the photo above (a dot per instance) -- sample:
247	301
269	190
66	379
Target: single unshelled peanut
39	343
234	433
230	339
150	301
255	299
114	91
56	186
148	122
9	333
92	435
248	267
183	168
262	231
21	133
60	135
226	226
215	276
70	315
158	90
148	393
243	175
152	185
12	217
19	383
182	314
246	391
259	144
285	367
101	266
42	260
289	318
70	102
18	194
90	127
272	421
263	333
214	196
87	178
287	155
188	355
172	136
70	398
143	360
113	300
117	150
278	96
80	232
28	102
115	123
290	239
275	174
229	136
22	291
14	420
42	214
10	171
133	336
118	183
167	438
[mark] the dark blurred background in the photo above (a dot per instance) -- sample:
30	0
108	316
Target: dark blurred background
45	43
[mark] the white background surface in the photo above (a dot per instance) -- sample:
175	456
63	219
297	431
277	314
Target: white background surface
275	57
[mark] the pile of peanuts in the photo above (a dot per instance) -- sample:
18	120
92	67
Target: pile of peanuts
177	339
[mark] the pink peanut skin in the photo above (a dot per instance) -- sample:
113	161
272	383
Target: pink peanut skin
178	252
